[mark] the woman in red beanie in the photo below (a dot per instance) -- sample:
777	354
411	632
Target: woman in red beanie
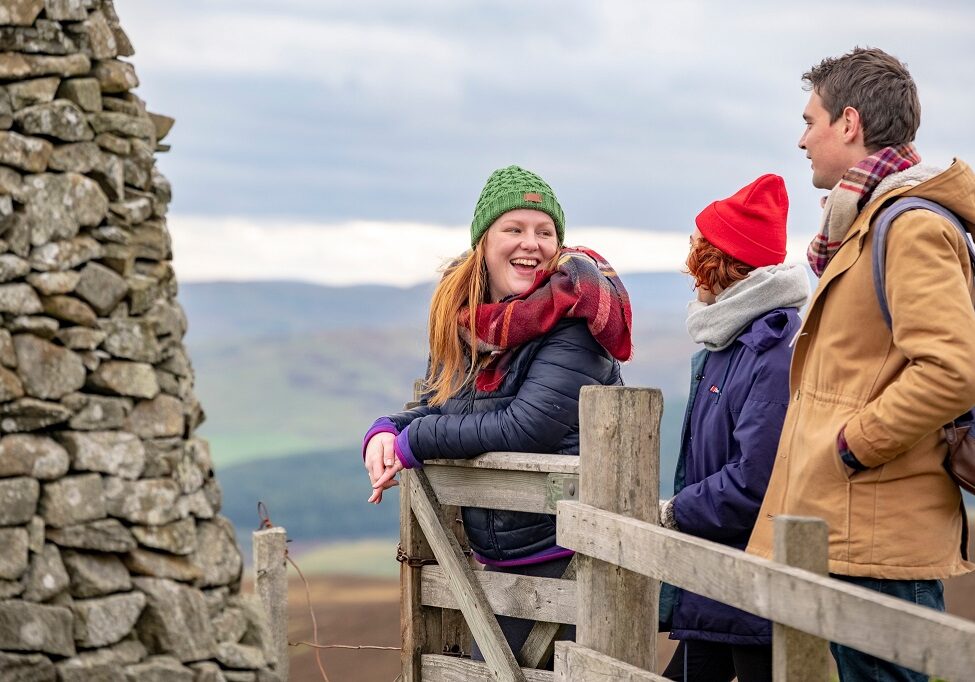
745	315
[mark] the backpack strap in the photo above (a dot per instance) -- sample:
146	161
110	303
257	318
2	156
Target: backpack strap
881	227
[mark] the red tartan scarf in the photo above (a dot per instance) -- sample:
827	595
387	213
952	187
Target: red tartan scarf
583	285
850	195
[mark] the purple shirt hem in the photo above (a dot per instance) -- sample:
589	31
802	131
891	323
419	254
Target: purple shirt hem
550	554
401	446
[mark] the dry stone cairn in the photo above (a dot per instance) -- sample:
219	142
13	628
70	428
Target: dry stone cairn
114	564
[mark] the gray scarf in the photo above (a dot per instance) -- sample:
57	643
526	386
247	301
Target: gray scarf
775	286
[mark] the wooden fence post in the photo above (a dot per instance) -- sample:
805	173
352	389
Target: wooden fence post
619	459
271	585
803	542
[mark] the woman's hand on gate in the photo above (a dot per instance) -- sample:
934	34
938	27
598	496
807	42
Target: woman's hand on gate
386	481
380	455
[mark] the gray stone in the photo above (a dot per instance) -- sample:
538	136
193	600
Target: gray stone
134	379
160	417
132	211
19	299
110	175
36	325
66	10
76	157
168	383
85	92
196	504
13	558
61	203
80	338
105	672
150	501
129	650
139	164
31	92
25	626
217	600
8	357
29	414
159	669
61	119
69	309
53	283
163	125
12	267
109	452
36	456
11	588
26	668
239	656
123	125
46	576
95	574
189	475
10	386
18	500
20	12
175	621
104	535
212	493
92	359
17	234
43	37
72	500
121	40
35	534
16	66
144	292
26	153
126	104
230	626
106	620
113	143
47	370
239	676
258	631
96	412
115	76
162	565
178	363
96	37
207	671
11	183
64	255
178	537
101	287
162	456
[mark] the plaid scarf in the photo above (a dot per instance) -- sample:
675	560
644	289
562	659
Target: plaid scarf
583	285
850	195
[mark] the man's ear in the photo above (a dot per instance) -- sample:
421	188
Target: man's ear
852	127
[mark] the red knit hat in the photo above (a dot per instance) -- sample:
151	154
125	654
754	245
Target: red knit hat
750	224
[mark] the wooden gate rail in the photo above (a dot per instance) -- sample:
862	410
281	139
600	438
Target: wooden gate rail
920	638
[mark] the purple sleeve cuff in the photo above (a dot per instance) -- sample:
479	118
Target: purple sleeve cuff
846	454
381	425
401	446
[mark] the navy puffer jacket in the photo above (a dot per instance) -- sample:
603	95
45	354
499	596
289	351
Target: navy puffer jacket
535	409
734	417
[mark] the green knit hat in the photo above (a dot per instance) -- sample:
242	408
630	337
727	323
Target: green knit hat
510	188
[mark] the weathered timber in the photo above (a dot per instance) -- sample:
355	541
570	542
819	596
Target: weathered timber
271	585
467	590
910	635
452	669
802	542
508	594
538	648
575	663
515	461
527	491
619	456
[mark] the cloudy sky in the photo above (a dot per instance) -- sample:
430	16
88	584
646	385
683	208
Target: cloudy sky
344	142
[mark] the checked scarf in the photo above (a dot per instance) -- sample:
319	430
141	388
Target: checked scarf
583	285
850	195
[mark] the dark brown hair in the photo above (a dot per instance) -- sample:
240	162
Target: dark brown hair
878	86
712	268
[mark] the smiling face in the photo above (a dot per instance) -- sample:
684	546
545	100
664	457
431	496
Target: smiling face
833	148
518	244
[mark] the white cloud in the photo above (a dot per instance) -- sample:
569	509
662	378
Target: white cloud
363	252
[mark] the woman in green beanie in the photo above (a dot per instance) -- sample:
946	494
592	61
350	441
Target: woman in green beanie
518	325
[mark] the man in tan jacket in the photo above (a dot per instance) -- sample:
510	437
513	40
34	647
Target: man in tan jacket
862	445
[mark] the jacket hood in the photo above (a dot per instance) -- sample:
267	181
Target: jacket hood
953	188
768	330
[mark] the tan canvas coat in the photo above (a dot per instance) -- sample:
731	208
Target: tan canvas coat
893	391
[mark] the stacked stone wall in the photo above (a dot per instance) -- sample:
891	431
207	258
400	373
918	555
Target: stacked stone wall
114	561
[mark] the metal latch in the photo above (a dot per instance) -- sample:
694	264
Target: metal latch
560	487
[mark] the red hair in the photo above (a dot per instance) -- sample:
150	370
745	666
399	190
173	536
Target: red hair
713	269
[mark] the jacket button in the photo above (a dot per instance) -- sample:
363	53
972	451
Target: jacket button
797	395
